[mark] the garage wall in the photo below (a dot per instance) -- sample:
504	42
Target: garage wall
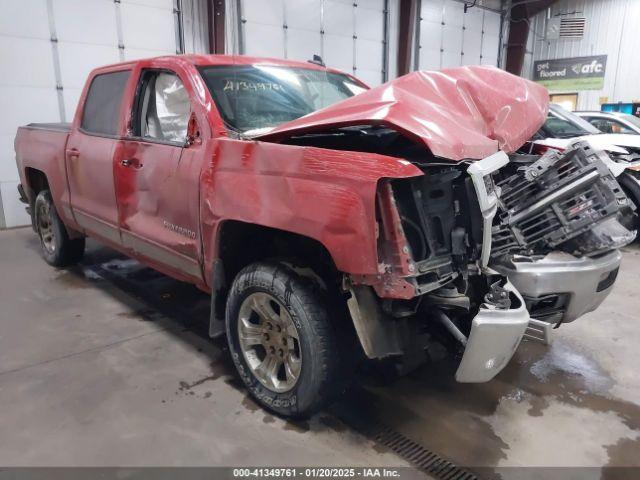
611	29
449	37
349	35
49	47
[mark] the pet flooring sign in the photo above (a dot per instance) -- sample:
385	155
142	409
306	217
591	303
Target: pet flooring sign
577	73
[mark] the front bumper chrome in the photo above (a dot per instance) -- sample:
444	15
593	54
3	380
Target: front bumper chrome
585	281
494	337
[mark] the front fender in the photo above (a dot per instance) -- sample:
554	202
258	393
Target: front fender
326	195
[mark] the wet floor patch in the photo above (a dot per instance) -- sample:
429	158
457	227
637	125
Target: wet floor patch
544	394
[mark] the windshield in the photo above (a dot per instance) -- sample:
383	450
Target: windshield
253	99
563	124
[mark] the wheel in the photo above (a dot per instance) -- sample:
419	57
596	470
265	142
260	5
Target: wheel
281	340
57	248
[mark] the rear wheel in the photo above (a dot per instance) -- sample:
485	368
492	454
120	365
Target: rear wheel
281	340
57	248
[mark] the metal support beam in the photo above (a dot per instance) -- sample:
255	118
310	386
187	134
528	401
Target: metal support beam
521	12
407	24
216	23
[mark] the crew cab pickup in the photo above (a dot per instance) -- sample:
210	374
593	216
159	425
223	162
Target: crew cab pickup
331	222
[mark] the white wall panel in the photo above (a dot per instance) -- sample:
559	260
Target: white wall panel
451	38
85	21
304	22
78	59
263	28
164	4
302	44
370	77
369	57
338	52
264	40
14	212
471	37
270	12
36	72
304	14
369	23
338	18
71	97
148	28
141	53
24	18
490	49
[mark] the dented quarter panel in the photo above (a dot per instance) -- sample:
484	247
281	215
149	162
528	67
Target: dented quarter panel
459	113
327	195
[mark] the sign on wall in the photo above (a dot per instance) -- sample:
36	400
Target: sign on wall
576	73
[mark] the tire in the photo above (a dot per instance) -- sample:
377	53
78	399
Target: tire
301	378
57	248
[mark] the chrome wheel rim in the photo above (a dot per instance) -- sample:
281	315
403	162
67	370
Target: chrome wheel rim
45	228
270	342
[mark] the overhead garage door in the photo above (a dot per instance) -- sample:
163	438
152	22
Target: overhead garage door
63	40
451	38
348	35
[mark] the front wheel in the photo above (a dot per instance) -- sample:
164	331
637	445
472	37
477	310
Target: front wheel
281	340
57	248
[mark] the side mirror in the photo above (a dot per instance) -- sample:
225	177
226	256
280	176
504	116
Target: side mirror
193	132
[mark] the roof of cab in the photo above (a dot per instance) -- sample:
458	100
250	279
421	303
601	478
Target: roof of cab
222	60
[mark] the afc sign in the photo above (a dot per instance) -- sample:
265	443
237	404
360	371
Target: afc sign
577	73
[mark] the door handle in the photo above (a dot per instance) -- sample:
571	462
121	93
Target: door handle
73	153
131	162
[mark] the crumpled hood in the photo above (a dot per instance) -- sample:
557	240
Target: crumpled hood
458	113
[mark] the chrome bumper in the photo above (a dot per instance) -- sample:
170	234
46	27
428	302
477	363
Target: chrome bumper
495	336
586	282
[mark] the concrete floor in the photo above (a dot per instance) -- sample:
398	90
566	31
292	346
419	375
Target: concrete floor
109	364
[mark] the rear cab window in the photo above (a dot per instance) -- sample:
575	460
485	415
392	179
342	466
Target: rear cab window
102	106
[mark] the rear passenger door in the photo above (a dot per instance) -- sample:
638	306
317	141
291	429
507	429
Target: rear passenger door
89	155
157	177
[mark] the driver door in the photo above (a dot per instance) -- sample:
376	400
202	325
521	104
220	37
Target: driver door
156	178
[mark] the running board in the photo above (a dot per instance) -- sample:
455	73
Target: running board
539	331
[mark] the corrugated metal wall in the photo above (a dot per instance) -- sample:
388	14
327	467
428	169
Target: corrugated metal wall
611	29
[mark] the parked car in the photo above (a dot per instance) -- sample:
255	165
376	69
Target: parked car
330	221
612	122
563	128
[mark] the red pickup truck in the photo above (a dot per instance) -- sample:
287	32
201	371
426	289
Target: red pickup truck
331	222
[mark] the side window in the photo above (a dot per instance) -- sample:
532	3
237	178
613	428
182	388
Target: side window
163	108
102	107
609	126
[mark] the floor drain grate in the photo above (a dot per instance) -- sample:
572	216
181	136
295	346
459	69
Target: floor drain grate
427	461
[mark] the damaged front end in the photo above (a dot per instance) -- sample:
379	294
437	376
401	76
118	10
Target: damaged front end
483	246
470	252
561	221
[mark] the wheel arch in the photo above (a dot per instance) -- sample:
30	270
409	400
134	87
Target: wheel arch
240	244
36	182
